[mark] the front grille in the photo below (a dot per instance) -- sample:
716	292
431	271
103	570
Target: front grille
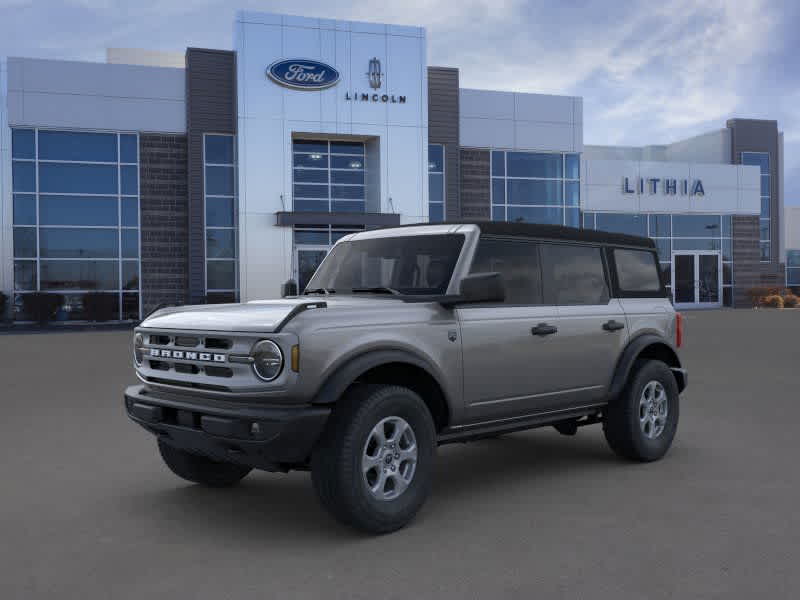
218	343
186	341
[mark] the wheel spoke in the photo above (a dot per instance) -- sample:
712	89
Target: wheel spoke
409	453
371	462
400	484
389	458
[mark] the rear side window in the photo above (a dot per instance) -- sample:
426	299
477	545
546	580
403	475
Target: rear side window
517	262
573	275
637	271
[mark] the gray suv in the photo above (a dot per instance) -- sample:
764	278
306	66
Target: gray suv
408	338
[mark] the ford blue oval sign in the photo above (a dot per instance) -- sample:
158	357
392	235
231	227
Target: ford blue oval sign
303	74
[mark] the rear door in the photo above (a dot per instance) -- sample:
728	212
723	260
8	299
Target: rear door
592	330
507	366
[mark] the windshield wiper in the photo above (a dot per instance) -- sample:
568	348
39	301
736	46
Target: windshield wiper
321	290
376	290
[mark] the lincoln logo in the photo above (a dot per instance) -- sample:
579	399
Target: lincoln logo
374	74
301	74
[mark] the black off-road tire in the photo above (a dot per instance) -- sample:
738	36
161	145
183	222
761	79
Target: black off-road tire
621	421
336	469
199	469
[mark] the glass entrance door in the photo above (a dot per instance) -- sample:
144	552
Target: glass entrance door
697	279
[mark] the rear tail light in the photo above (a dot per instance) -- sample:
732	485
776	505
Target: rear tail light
678	330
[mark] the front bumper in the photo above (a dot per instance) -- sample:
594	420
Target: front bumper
264	437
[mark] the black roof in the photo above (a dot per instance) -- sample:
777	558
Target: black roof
552	232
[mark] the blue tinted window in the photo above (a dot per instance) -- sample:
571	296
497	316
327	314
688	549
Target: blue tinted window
622	223
128	149
219	181
130	275
355	177
25	242
759	159
129	180
317	238
23	143
764	229
573	166
314	175
220	243
793	258
24	275
664	247
130	212
498	191
498	163
320	161
436	212
77	179
572	189
130	306
793	277
765	185
498	213
130	243
310	146
219	212
765	207
436	187
766	251
80	275
588	220
219	149
77	210
529	164
221	274
696	225
347	192
726	225
24	209
347	148
435	158
727	249
348	206
310	191
73	145
337	162
545	215
660	226
696	244
78	243
523	191
572	217
23	176
311	205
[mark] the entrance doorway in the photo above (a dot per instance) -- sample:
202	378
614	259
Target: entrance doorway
697	279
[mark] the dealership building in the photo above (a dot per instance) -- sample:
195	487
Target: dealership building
217	175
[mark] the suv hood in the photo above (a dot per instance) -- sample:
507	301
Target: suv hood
259	316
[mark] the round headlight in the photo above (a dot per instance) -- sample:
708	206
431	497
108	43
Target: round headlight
267	360
138	349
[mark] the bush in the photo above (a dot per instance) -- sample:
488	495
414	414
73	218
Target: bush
790	301
41	306
98	306
773	301
3	306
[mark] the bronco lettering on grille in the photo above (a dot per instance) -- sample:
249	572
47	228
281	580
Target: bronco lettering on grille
202	356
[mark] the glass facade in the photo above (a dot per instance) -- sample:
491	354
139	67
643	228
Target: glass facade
311	245
793	268
535	187
328	176
76	218
675	232
436	212
219	159
761	160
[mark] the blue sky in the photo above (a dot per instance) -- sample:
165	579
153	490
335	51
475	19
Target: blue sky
649	72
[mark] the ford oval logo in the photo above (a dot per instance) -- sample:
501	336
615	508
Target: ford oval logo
303	74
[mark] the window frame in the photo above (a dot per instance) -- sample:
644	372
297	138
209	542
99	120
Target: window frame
618	291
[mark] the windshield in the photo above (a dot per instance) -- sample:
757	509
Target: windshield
411	264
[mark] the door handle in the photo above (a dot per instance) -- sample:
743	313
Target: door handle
613	325
544	329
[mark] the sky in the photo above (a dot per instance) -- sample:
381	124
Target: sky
649	72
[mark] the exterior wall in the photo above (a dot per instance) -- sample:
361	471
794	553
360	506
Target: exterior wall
475	182
210	108
145	58
443	128
164	220
791	226
270	114
82	95
521	121
712	147
729	189
746	254
751	135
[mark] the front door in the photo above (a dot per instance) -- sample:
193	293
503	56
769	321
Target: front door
697	279
308	259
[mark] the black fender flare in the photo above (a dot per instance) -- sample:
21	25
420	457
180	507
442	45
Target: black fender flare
344	375
633	351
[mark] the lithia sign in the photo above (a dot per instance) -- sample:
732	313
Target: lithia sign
667	186
306	74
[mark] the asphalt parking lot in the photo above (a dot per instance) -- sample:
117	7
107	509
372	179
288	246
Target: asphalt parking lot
88	511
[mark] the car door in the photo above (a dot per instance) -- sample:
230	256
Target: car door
507	348
591	325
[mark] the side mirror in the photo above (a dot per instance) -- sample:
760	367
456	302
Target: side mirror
289	288
483	287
